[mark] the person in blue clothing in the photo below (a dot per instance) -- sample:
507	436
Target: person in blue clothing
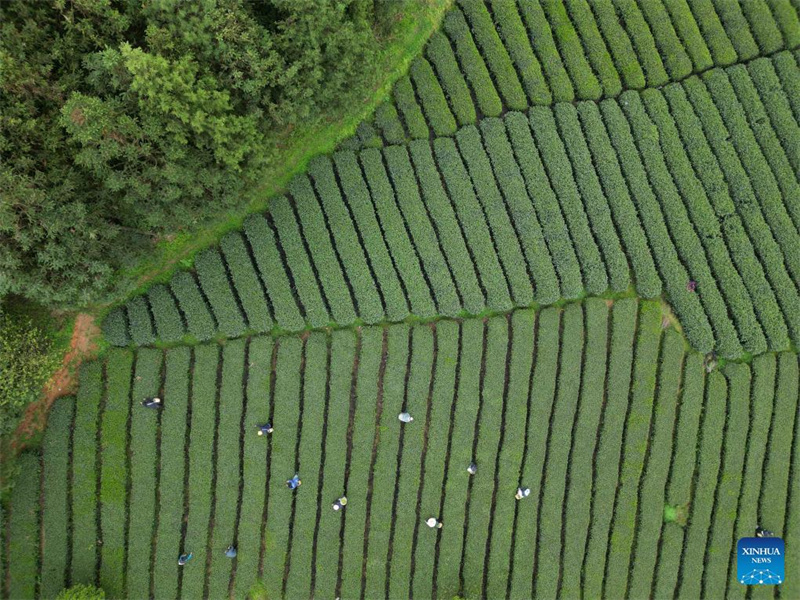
231	551
294	482
265	429
184	558
154	403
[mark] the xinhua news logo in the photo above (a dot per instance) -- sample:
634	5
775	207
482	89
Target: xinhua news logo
760	561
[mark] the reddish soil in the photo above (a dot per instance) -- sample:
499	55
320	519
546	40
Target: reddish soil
63	382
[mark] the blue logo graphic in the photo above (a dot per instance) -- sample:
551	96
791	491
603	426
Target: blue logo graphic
760	561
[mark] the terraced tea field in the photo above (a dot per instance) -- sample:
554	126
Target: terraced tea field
568	246
605	415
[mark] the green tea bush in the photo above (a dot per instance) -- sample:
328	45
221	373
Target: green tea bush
432	98
347	243
679	227
316	232
115	327
273	272
168	322
595	47
199	320
619	44
787	19
246	281
569	283
422	232
171	472
561	175
647	280
113	470
82	592
473	222
441	210
707	226
449	76
544	45
505	237
558	450
735	24
741	248
594	200
23	529
406	102
673	53
610	442
586	85
713	32
642	41
395	235
515	39
527	226
387	120
495	54
357	198
231	399
55	458
213	279
140	321
763	26
471	62
688	32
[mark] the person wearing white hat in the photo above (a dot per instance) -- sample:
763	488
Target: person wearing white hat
522	493
433	522
405	417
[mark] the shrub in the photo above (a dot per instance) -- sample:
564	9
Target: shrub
580	14
473	222
357	198
27	360
610	442
423	235
741	248
432	98
140	321
561	175
520	207
594	201
115	327
673	54
505	236
82	592
763	26
368	135
713	32
586	85
472	64
450	78
619	44
226	493
169	324
516	42
273	273
495	54
545	46
689	33
643	42
199	319
412	113
787	19
730	14
553	227
647	280
347	243
246	282
22	533
213	278
56	451
387	120
395	235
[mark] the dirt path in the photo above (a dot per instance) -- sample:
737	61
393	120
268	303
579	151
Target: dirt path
63	382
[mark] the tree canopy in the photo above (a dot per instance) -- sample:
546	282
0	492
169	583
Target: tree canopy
121	121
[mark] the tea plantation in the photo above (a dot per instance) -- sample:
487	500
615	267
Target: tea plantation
568	246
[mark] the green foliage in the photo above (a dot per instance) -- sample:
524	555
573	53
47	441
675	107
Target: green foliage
246	281
388	122
595	47
406	102
441	56
144	115
619	45
169	324
673	53
199	320
82	592
27	359
140	321
213	278
730	14
689	33
432	98
642	41
115	328
23	529
713	32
